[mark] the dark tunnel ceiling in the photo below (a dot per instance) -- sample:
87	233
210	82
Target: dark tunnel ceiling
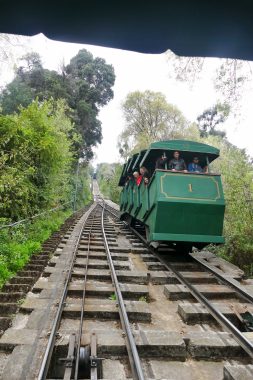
191	28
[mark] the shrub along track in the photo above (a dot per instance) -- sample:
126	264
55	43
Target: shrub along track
174	336
15	290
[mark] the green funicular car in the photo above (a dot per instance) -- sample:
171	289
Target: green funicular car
180	208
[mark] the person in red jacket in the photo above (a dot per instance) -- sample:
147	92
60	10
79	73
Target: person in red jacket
137	177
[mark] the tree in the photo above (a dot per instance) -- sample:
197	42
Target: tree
211	118
31	81
15	94
230	76
150	118
86	85
108	178
35	159
185	69
237	175
12	47
89	83
91	79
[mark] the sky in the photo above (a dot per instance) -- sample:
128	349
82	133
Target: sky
135	71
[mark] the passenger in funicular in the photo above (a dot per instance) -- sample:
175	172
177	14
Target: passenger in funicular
194	166
177	163
137	177
161	161
145	174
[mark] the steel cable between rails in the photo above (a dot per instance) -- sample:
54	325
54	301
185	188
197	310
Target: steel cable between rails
50	345
130	342
82	306
222	320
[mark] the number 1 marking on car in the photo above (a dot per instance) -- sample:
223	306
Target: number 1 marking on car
190	187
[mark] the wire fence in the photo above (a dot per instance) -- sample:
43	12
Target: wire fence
34	216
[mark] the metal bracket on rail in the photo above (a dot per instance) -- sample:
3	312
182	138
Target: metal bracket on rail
96	370
70	359
90	366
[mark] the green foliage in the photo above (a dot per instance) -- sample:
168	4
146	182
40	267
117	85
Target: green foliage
39	146
35	159
81	184
108	178
18	243
237	175
112	297
211	118
150	118
143	299
17	93
85	84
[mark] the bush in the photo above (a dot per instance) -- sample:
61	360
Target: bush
108	178
237	174
18	243
35	159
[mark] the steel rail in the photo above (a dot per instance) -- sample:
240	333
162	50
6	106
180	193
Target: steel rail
51	341
228	281
130	342
223	321
82	307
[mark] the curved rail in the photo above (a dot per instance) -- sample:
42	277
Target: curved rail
130	342
220	318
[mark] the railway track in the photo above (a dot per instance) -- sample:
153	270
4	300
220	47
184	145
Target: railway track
109	307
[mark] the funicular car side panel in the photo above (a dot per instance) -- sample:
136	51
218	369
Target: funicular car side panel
186	207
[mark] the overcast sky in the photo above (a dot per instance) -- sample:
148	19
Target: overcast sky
136	71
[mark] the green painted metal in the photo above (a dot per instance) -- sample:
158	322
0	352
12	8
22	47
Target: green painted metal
136	164
178	206
185	145
122	179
